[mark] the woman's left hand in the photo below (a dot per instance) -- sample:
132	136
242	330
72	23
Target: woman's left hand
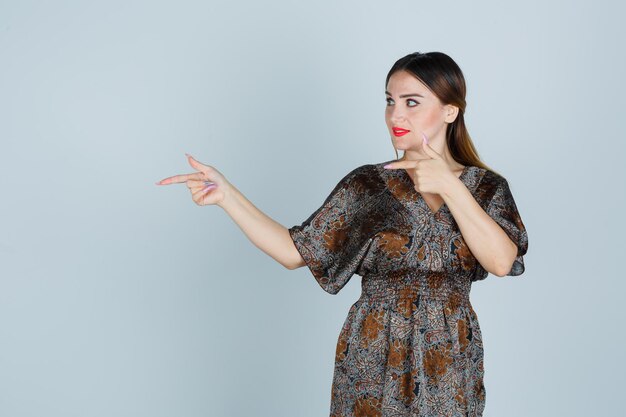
431	175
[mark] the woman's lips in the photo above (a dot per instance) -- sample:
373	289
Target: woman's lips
399	132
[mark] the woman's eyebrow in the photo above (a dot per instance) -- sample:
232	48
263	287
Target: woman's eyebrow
406	95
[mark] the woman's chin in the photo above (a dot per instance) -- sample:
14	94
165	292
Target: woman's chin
400	144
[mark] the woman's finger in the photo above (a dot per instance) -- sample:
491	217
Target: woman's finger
205	186
402	164
196	164
182	178
209	187
199	194
199	183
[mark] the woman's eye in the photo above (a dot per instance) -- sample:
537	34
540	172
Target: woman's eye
409	101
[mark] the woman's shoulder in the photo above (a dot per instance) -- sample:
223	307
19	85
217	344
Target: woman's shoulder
375	173
493	185
492	178
366	170
365	178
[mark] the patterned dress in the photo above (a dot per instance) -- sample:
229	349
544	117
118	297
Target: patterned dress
411	344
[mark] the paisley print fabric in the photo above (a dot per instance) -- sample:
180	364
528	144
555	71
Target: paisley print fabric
411	345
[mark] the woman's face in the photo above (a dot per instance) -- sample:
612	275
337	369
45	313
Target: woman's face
412	106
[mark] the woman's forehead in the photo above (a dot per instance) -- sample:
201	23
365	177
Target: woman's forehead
401	83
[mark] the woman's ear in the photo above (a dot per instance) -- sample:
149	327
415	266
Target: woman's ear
450	112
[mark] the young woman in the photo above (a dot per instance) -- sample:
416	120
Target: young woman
419	230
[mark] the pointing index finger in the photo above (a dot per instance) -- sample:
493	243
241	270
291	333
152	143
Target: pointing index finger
400	164
181	178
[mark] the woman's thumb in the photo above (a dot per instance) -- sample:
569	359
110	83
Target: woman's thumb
194	163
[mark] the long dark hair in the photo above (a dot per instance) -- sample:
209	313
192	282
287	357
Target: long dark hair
445	79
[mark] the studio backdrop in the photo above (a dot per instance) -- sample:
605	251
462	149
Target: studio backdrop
119	297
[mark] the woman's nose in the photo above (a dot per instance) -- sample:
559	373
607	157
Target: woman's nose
397	115
397	118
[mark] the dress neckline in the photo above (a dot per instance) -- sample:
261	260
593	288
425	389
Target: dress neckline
420	198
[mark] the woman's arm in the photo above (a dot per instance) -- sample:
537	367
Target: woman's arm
265	233
487	241
209	186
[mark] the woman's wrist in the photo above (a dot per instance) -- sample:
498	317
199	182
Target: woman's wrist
453	186
230	195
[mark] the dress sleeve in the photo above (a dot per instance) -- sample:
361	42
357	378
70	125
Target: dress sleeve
332	241
503	210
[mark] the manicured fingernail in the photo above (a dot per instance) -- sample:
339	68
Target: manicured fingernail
387	166
425	138
209	187
188	155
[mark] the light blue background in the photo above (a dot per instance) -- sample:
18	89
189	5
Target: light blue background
122	298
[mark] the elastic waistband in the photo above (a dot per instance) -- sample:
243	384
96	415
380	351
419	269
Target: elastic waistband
411	283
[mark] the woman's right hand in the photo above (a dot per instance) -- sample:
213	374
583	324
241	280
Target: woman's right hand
208	186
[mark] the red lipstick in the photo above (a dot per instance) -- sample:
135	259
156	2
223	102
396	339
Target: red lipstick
398	131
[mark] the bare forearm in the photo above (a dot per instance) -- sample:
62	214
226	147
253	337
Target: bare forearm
487	241
265	233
